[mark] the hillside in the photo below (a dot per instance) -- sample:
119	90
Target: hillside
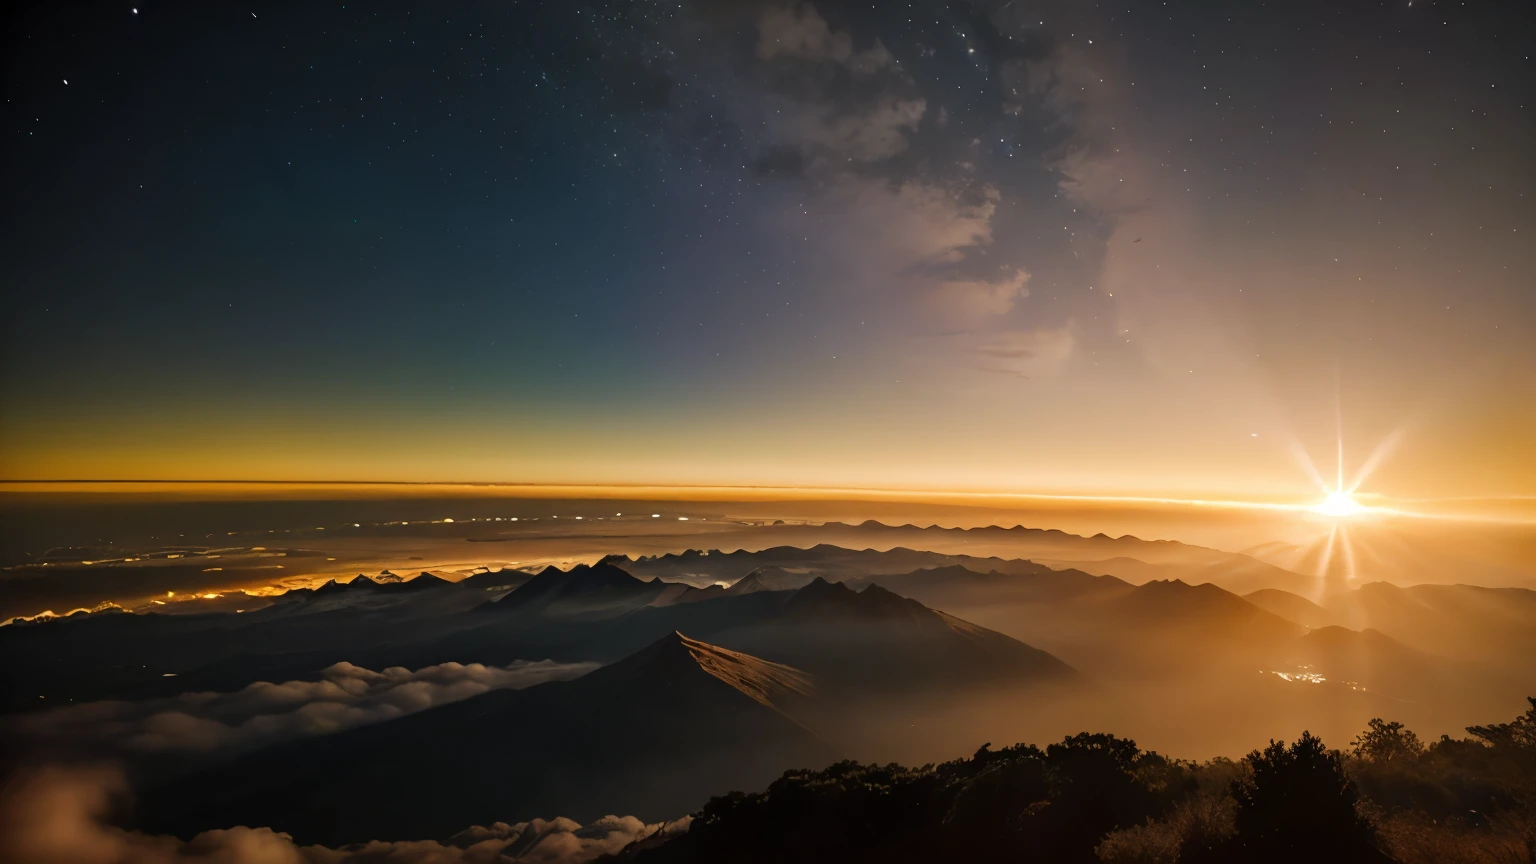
651	735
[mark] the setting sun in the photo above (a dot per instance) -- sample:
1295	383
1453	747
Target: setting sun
971	447
1339	504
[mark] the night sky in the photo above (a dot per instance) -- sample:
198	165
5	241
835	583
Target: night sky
1137	247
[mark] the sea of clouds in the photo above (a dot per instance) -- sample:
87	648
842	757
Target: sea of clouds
57	815
221	724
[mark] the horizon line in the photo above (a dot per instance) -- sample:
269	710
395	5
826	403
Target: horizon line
950	493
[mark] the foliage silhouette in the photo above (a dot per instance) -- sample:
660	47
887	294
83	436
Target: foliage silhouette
1299	804
1096	797
1383	742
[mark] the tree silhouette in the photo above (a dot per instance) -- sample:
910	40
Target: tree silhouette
1099	798
1299	805
1518	735
1383	742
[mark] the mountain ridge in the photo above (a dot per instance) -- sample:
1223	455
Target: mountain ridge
662	729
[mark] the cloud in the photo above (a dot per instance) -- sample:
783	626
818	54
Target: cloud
833	115
875	133
1100	164
836	103
843	120
798	30
963	304
886	179
1170	277
346	696
903	231
1027	353
55	815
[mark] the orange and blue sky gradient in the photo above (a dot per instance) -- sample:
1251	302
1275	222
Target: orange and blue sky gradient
1064	250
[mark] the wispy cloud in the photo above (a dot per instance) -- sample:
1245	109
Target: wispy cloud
58	816
346	696
1027	353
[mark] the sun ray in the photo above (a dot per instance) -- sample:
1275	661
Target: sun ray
1322	567
1304	459
1349	554
1338	483
1378	454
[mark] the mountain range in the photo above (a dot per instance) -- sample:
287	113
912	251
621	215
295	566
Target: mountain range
652	735
1127	556
962	635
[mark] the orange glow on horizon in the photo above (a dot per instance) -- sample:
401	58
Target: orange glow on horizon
1491	509
1339	504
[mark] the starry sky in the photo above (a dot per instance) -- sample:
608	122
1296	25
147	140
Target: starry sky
1153	247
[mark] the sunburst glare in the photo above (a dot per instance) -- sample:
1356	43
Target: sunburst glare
1339	505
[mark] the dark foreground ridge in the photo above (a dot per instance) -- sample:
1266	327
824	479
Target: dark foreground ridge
1098	798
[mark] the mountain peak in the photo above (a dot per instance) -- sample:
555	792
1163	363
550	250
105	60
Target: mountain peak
674	657
821	597
422	581
584	587
491	580
1166	584
768	578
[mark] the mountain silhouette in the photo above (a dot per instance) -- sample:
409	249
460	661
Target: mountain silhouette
1290	607
596	590
1494	625
875	639
496	580
769	578
791	567
962	585
834	599
652	735
1368	658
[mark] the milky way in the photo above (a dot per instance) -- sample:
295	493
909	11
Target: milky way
1152	247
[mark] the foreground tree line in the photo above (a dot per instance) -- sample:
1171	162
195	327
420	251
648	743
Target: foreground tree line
1098	798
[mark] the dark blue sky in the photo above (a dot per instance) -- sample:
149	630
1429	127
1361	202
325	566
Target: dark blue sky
934	244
